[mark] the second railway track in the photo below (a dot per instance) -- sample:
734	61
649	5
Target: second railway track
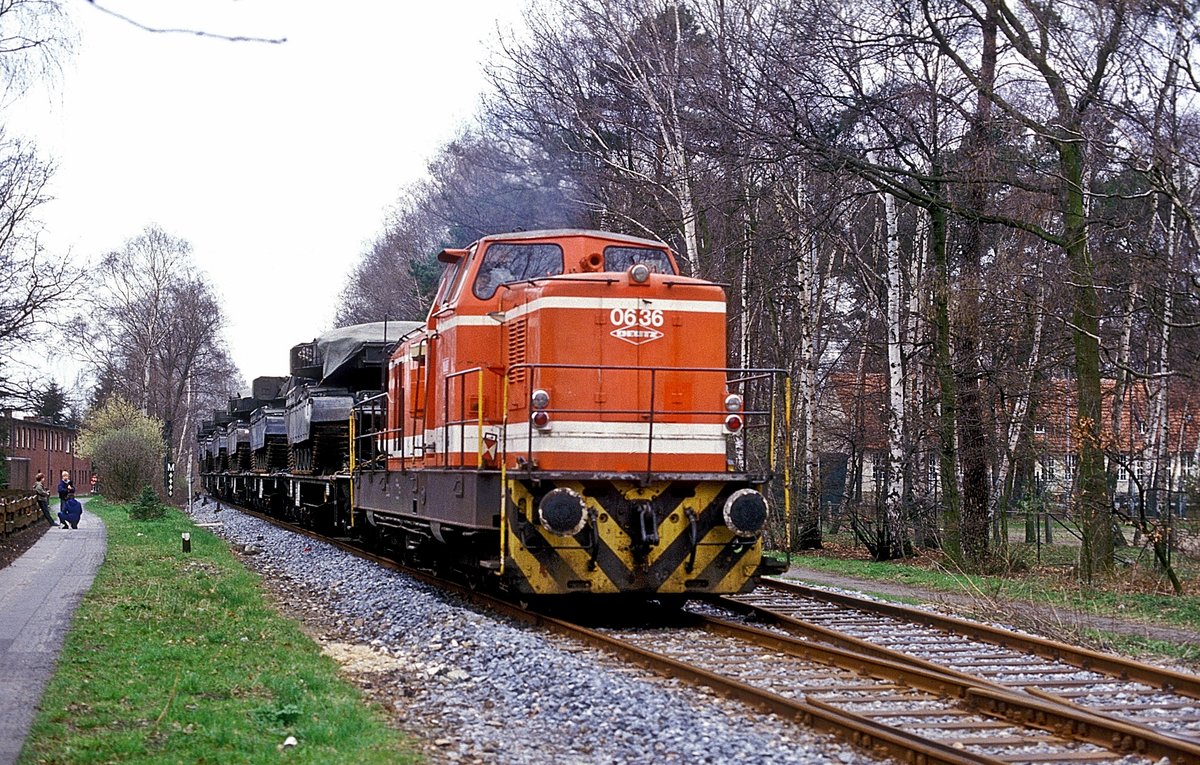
1103	685
914	714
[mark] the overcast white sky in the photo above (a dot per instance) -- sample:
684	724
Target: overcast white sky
277	162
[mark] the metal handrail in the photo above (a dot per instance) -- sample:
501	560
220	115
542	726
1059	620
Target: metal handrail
740	378
755	418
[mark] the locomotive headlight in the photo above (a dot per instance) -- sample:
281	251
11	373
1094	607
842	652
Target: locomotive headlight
540	399
733	423
746	512
563	511
733	403
540	420
639	273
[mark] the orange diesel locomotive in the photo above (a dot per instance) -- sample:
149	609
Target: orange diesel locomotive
563	422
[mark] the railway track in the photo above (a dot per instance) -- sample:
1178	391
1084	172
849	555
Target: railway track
887	706
884	705
1103	685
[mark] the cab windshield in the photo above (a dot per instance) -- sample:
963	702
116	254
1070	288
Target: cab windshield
504	263
621	258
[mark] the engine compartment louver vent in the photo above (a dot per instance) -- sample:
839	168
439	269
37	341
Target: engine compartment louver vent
516	350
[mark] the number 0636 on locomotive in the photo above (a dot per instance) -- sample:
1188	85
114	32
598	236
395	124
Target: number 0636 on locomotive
564	422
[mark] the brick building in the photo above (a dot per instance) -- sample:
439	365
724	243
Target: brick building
33	444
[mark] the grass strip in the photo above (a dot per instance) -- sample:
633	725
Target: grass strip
1172	610
177	658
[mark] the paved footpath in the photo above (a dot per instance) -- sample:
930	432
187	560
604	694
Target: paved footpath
38	595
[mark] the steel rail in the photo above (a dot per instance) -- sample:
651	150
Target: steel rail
1083	658
1045	712
858	730
1134	703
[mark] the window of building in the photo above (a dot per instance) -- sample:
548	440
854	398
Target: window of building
1071	462
1039	428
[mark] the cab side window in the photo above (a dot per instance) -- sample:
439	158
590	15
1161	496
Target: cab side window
621	258
504	263
449	276
455	287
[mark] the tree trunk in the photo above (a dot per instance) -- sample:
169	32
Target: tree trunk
947	451
892	536
1005	475
810	517
1095	512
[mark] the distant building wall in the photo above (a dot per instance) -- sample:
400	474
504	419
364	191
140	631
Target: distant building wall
33	444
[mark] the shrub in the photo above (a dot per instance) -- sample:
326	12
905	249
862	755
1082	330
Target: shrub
126	447
148	507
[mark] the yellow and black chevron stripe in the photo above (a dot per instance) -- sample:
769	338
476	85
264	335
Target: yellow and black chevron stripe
695	552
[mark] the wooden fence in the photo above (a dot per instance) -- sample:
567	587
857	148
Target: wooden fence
19	510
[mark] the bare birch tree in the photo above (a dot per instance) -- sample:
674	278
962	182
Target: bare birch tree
152	334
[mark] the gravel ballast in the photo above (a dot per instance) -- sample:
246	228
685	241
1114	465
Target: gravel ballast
476	687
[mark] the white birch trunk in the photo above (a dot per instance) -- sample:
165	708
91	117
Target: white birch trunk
806	278
1160	438
896	404
739	444
1123	355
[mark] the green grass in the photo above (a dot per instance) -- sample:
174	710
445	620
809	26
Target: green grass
1133	645
1178	611
177	658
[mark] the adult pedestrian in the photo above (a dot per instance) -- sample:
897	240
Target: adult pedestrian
65	486
43	496
70	512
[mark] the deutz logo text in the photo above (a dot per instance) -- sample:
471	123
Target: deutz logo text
636	325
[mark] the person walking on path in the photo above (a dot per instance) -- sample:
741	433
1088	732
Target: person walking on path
43	496
71	511
65	487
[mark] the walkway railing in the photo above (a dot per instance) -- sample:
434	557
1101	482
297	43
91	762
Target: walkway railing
19	510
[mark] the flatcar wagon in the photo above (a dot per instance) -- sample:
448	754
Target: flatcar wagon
563	422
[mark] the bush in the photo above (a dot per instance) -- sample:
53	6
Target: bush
148	507
126	447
